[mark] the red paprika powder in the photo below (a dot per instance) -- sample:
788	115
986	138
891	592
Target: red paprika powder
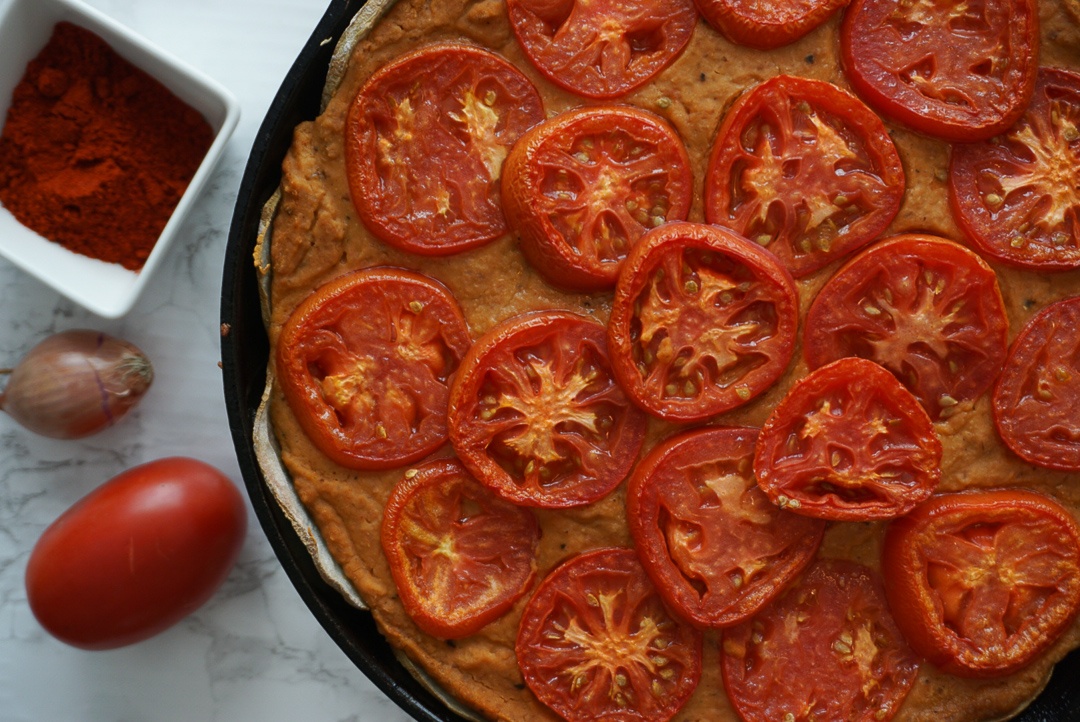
95	153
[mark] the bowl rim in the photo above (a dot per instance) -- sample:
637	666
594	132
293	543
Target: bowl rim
111	291
245	352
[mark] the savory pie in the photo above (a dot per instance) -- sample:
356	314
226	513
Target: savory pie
345	207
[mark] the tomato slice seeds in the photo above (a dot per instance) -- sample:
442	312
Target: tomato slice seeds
715	546
805	169
982	582
1017	195
365	362
459	555
602	48
957	71
536	415
826	650
582	188
848	442
425	140
926	308
596	642
702	321
1036	397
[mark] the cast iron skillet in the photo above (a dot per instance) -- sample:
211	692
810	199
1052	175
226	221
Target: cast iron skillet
244	353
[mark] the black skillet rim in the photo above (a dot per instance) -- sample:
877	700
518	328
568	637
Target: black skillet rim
244	352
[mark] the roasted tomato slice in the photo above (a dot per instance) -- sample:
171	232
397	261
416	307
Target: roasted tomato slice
805	169
983	582
766	25
715	546
602	48
1038	394
848	442
701	322
460	556
583	187
1017	196
365	362
957	71
536	415
827	650
425	140
927	309
596	643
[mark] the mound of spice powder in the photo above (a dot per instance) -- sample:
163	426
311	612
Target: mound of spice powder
95	153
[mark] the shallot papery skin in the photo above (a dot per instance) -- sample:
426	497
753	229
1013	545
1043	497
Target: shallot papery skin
76	383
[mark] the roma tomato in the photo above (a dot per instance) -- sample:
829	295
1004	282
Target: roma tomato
365	363
425	140
603	48
1017	196
956	71
848	442
583	187
136	555
1038	393
459	555
805	169
712	542
596	643
983	582
536	415
927	309
701	322
826	650
766	25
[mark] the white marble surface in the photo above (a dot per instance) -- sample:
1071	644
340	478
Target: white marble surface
254	652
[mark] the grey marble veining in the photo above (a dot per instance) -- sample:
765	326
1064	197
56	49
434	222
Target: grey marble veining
254	652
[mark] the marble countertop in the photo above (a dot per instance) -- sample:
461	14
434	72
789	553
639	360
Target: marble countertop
254	651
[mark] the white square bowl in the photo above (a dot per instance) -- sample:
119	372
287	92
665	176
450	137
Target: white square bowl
107	289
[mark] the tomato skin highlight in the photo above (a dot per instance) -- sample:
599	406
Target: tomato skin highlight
826	649
714	545
593	167
983	582
460	556
1037	394
1012	194
765	26
804	168
927	309
596	643
137	554
848	442
918	71
702	321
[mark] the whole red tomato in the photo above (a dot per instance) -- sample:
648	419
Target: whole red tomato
137	554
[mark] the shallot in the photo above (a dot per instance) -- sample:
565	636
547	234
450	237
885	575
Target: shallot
76	383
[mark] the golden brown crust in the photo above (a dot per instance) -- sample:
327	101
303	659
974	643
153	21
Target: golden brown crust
317	236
